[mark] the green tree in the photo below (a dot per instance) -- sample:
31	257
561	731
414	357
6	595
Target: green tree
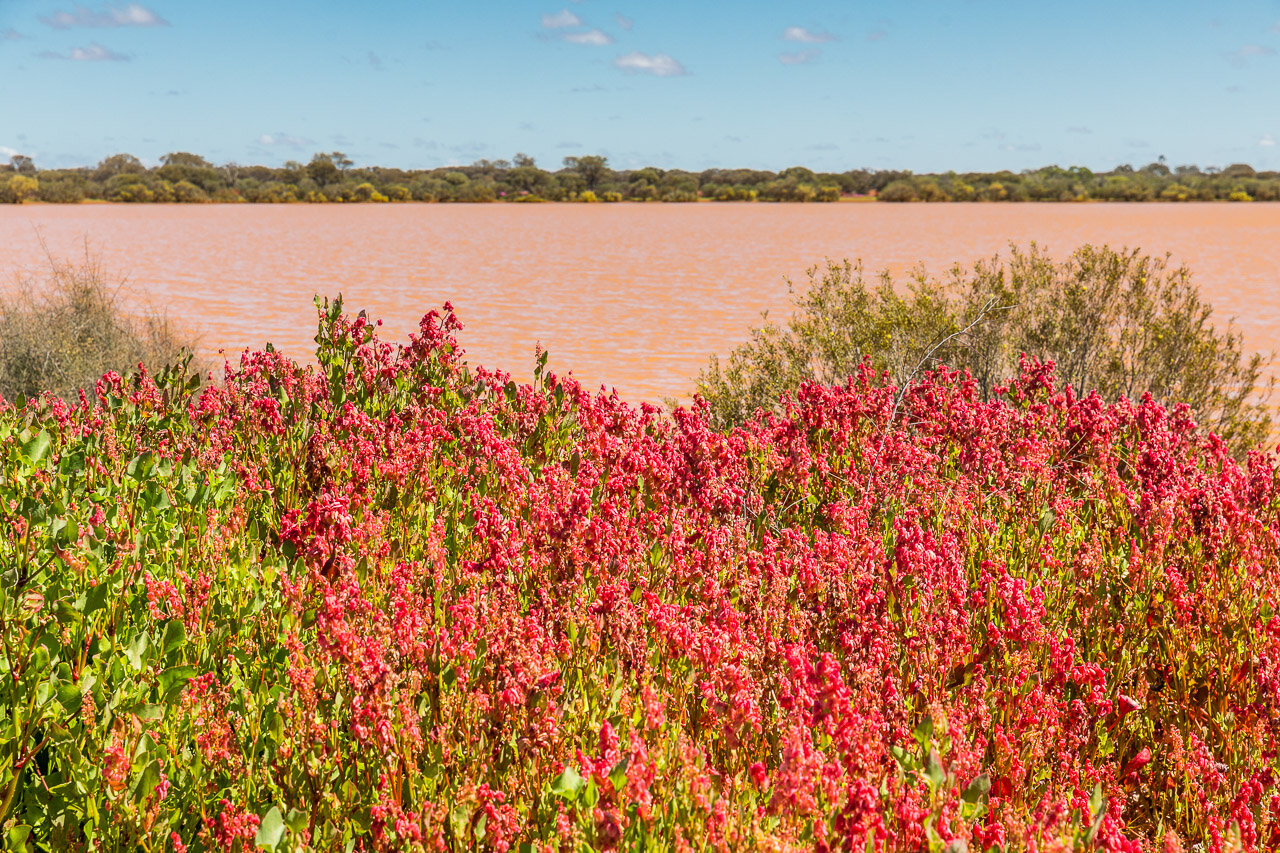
592	168
118	164
184	158
327	169
524	178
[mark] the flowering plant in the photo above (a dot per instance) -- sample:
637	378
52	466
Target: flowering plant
391	602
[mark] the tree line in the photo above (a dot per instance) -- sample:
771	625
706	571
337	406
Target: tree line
334	177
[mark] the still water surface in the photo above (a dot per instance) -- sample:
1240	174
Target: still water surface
629	296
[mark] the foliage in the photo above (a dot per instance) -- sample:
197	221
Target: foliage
387	602
334	177
19	188
61	333
1119	322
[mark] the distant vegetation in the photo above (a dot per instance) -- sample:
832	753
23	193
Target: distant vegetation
62	332
1120	323
333	177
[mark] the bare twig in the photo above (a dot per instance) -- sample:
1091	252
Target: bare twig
989	307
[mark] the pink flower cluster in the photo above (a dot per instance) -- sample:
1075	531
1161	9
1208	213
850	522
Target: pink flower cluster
894	620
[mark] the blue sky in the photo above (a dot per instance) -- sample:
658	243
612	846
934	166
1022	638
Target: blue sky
832	84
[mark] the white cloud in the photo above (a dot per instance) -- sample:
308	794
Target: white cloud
659	65
560	20
132	15
285	139
800	57
807	36
1267	141
595	37
93	53
6	152
625	23
1249	51
97	53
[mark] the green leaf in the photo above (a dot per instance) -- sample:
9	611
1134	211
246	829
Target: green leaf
137	649
175	634
37	448
924	733
904	758
15	840
68	614
150	712
568	784
70	696
934	770
95	598
65	531
173	679
1096	801
618	775
296	820
140	465
270	830
459	817
977	789
39	660
147	782
1047	519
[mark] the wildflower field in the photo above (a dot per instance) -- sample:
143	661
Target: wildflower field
388	601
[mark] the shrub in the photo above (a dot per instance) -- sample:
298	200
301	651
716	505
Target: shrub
62	333
1121	323
367	192
383	601
62	191
897	191
20	188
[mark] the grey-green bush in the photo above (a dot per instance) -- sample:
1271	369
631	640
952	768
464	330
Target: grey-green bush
61	332
1122	323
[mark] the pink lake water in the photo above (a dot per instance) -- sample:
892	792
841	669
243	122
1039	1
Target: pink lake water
630	296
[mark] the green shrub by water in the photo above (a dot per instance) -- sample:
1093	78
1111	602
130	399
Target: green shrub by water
62	332
1122	323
